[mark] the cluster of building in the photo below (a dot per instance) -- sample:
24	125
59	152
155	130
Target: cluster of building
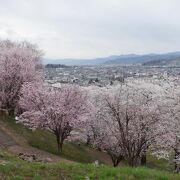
106	75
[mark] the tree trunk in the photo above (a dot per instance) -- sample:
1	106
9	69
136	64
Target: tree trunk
115	163
133	162
116	159
176	163
88	140
143	160
59	144
177	156
11	112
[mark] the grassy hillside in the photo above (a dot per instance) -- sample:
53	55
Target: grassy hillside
44	140
14	168
83	154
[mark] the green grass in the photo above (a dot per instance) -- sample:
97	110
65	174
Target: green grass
160	164
17	169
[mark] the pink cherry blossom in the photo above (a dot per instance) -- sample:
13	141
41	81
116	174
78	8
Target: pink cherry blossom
57	110
19	63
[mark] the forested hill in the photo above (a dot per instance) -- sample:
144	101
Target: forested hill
163	62
56	66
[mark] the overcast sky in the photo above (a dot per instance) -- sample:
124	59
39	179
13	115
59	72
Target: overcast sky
93	28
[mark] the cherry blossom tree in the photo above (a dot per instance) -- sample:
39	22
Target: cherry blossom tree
19	63
57	110
167	145
170	142
104	139
94	126
98	131
129	121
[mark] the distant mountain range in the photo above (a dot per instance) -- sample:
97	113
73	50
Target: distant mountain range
166	59
170	62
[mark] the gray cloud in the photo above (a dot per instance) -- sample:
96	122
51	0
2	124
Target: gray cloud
93	28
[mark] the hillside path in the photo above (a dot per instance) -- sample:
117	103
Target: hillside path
6	141
9	140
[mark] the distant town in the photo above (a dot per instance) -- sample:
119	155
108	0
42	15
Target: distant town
106	75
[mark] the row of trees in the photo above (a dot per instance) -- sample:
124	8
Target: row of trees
56	66
126	121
